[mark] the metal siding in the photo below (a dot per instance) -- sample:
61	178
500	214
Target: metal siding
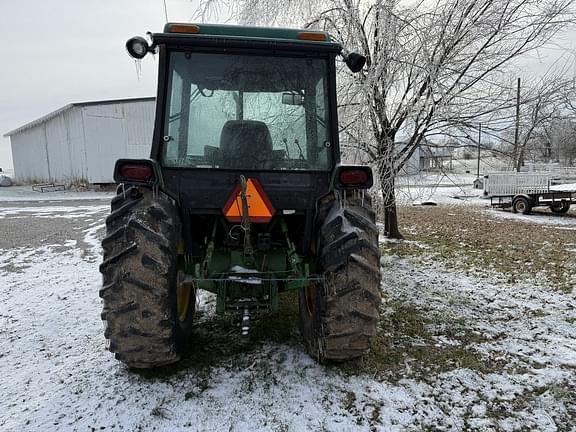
116	131
105	140
139	128
64	134
76	143
29	155
57	145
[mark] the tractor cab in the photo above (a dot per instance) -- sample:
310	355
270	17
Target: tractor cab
241	98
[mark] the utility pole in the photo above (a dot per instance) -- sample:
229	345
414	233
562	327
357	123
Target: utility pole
517	131
479	138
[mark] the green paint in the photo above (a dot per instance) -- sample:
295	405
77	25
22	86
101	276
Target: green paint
261	278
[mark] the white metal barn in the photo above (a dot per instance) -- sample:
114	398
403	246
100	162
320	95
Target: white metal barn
82	141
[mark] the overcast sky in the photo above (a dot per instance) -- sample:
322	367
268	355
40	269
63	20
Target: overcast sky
55	52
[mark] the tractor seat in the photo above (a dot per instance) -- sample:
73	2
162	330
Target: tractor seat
245	144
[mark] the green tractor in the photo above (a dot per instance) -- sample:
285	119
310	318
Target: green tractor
243	196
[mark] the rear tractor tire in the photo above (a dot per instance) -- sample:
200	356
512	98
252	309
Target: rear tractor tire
147	312
339	318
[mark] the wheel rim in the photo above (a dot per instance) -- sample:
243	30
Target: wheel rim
521	206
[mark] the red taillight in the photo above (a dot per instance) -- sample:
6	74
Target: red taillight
137	172
353	177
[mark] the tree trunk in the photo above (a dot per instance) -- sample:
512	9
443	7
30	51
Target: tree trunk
391	222
520	161
387	178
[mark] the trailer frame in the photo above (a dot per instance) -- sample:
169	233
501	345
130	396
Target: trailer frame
559	202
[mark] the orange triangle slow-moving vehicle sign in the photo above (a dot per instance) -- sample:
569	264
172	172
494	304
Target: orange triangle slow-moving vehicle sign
260	209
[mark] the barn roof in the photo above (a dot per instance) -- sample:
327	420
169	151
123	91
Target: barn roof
62	110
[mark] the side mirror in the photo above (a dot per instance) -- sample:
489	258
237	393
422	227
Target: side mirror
292	99
355	61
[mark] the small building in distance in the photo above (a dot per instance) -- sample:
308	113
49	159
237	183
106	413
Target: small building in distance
82	141
434	158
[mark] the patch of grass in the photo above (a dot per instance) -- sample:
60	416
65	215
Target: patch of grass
472	239
405	249
279	327
497	411
406	345
561	393
13	268
528	399
444	359
537	313
160	411
349	400
406	321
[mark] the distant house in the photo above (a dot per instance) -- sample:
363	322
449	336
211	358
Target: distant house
427	157
435	158
82	141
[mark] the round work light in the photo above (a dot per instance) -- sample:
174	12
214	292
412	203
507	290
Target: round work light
355	62
137	47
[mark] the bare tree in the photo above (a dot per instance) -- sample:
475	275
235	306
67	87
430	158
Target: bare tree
430	65
544	106
541	107
565	134
558	141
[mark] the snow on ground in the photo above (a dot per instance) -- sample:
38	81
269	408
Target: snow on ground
56	374
540	218
449	195
25	193
527	331
439	189
435	179
51	212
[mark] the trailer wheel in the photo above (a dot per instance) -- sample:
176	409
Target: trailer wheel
560	208
521	205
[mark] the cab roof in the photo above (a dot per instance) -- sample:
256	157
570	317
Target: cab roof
192	32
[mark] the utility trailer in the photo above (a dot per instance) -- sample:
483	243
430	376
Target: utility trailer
522	192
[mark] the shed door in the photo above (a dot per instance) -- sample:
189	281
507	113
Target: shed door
105	143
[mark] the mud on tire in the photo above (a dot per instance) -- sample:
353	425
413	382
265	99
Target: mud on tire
139	279
339	318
